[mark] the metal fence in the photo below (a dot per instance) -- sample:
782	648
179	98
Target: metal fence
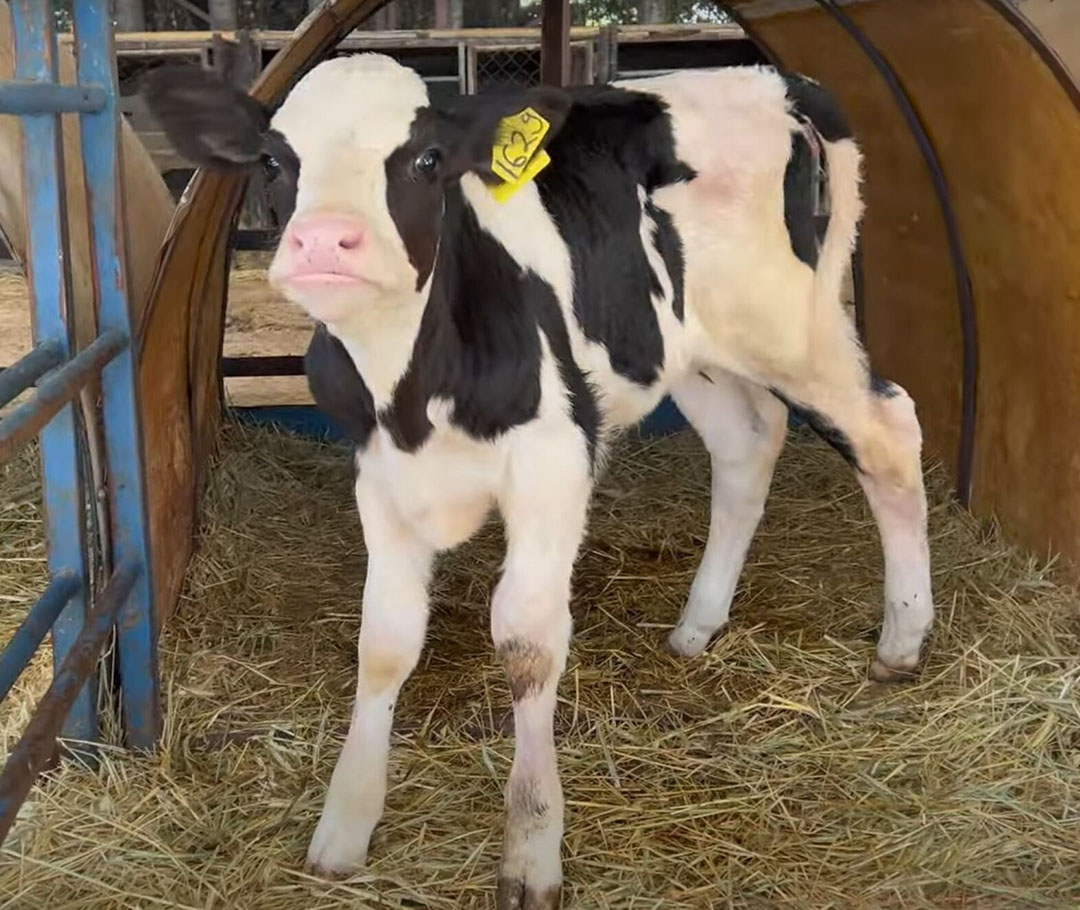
102	585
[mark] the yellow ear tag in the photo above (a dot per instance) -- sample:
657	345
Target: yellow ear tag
516	156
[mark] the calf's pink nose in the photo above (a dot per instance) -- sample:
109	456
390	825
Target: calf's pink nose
325	235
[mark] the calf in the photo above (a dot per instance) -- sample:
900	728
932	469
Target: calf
482	334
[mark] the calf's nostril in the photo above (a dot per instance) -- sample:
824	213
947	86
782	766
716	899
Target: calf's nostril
349	242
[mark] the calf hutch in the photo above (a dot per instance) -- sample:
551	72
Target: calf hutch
823	651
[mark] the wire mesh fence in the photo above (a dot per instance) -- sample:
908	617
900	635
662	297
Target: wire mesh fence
507	66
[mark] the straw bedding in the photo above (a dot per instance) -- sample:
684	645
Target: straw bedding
768	772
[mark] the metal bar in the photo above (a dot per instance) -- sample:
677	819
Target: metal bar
965	456
262	366
27	370
555	42
32	631
33	749
49	285
29	98
56	392
100	134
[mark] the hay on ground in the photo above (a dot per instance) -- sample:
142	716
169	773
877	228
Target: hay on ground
769	772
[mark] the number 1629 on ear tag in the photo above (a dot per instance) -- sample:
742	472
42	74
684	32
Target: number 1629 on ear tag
516	156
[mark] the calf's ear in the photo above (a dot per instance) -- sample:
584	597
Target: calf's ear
211	123
506	127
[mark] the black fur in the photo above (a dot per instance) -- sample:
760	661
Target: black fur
478	343
669	244
824	427
819	106
799	201
882	387
282	168
612	142
815	107
583	406
338	389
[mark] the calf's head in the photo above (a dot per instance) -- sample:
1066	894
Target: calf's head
360	163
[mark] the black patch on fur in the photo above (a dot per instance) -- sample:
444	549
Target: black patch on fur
612	142
583	406
415	204
819	106
799	201
282	168
882	387
478	344
824	427
337	387
669	245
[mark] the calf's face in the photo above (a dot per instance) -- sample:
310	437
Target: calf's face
360	164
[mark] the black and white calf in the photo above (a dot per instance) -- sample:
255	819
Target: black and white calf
482	351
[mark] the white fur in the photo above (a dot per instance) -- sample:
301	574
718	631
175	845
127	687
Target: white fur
756	317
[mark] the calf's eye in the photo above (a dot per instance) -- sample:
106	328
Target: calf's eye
271	166
427	161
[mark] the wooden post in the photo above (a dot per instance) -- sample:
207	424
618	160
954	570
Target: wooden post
608	52
442	13
130	16
222	15
555	42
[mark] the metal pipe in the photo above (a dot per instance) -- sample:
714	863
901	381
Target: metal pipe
58	390
49	283
136	632
33	749
34	628
29	98
27	370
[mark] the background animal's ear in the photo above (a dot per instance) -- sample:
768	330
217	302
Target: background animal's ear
499	125
211	123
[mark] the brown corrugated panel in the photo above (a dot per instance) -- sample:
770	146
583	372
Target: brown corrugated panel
182	328
1008	135
912	320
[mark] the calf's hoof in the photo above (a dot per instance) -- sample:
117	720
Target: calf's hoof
339	845
689	640
516	894
884	673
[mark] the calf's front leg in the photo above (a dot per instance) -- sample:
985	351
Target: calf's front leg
544	508
392	628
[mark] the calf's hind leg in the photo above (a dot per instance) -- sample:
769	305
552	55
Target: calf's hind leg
743	426
874	426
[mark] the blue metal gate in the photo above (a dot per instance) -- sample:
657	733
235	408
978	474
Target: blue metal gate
81	612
